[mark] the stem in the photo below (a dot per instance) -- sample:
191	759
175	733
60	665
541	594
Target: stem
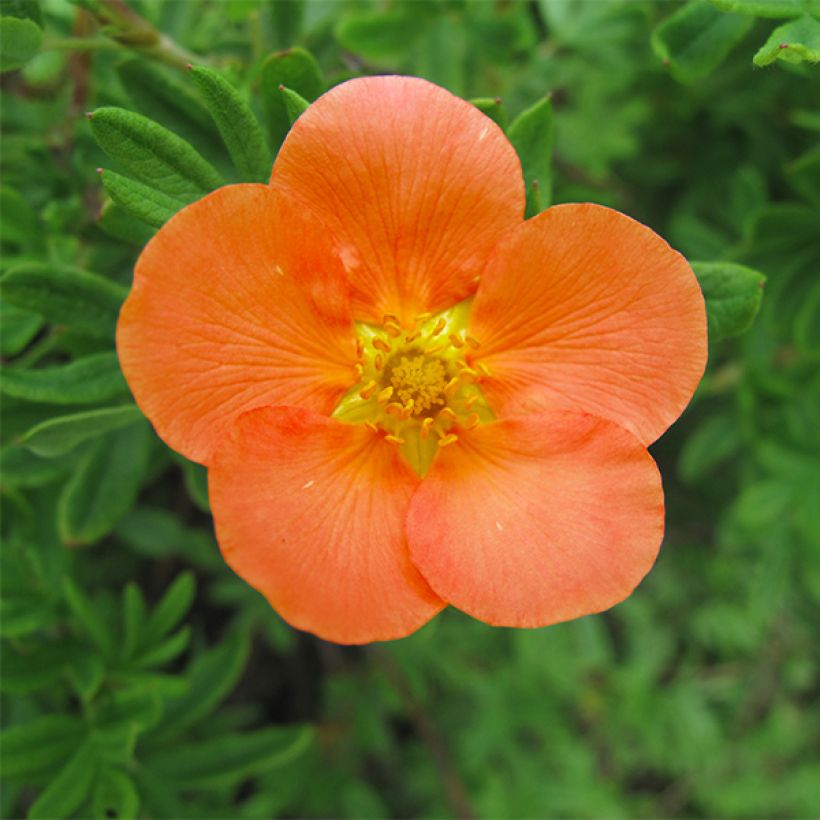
428	732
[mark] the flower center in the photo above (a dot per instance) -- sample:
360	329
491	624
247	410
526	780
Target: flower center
417	384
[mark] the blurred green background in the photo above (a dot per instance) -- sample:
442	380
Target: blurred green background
141	678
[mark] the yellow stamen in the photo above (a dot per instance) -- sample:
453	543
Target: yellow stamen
393	328
447	413
483	369
474	343
381	344
390	317
359	370
450	438
378	362
440	325
368	390
452	386
395	408
385	394
456	340
470	403
422	317
471	421
372	426
411	337
425	427
394	439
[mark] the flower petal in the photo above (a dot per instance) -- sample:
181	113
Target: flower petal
538	519
310	511
417	185
238	302
584	307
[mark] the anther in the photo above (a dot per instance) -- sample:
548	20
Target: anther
395	407
359	370
425	427
411	337
369	390
381	344
470	403
470	422
359	348
390	317
378	362
431	351
483	369
440	325
452	386
393	328
456	340
450	438
372	426
468	371
385	394
474	343
394	439
408	408
447	413
422	317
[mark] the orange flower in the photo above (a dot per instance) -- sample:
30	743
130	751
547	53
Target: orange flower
406	395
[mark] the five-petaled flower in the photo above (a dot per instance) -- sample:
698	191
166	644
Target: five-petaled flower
406	395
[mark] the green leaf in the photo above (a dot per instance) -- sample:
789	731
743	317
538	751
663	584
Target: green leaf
163	95
115	795
229	759
383	37
733	294
134	613
24	613
104	486
87	674
19	41
531	136
67	792
769	8
196	483
120	224
141	201
33	669
237	124
807	322
494	109
165	650
33	749
83	301
19	329
153	154
24	9
295	104
172	608
297	70
88	616
22	468
18	221
212	676
804	174
58	436
84	381
715	441
797	41
287	20
696	39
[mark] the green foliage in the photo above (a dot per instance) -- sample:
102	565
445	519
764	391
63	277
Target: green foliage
733	295
697	38
141	678
795	42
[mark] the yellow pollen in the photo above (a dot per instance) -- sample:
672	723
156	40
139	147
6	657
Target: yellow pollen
385	394
450	438
381	344
419	381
